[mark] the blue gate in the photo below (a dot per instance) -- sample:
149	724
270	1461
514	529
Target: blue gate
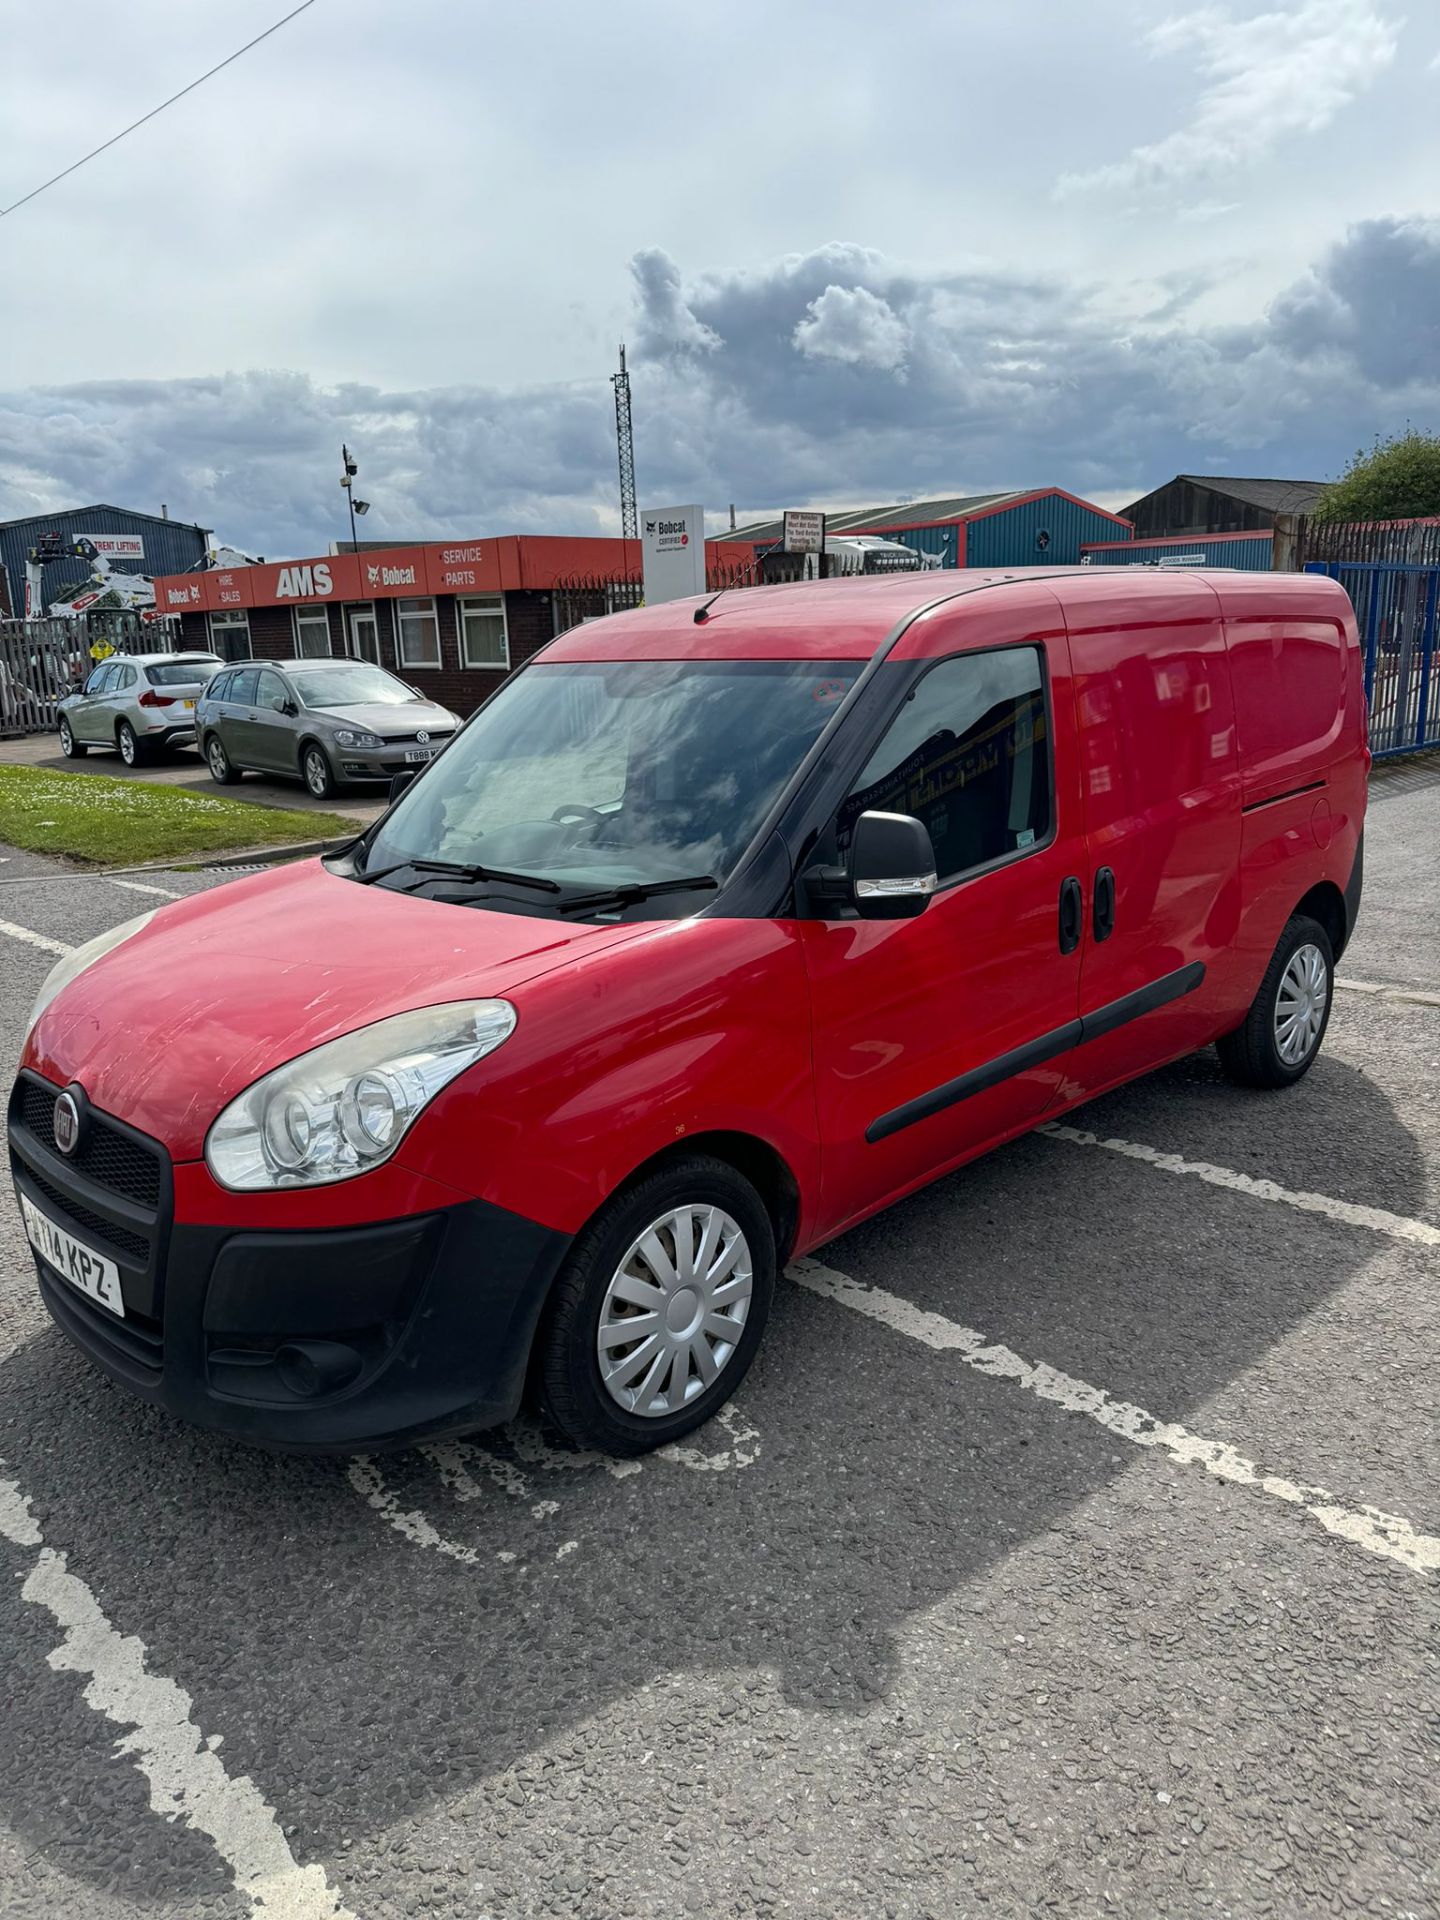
1395	606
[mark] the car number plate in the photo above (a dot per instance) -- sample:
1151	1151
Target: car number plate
188	703
91	1272
419	753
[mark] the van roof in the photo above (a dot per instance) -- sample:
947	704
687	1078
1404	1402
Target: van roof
850	619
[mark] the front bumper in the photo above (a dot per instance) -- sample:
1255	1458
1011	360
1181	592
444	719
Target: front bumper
319	1341
383	763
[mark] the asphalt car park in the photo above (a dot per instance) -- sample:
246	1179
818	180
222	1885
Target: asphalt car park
1073	1545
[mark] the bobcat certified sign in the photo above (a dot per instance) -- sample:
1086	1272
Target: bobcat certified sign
672	543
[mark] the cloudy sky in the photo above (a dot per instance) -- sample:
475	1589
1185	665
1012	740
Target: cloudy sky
859	253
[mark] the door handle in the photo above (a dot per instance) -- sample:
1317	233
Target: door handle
1072	914
1103	907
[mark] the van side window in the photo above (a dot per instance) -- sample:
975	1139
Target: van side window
969	754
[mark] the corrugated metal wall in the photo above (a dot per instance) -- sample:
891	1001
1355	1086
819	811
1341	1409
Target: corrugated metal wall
942	540
170	547
1251	554
1012	537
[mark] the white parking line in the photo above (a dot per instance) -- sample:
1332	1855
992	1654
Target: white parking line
139	886
1374	1219
33	939
1386	1534
187	1780
1384	990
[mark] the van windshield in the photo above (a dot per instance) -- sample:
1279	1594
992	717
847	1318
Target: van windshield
617	773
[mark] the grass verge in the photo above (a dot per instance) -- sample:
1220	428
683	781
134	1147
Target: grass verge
114	822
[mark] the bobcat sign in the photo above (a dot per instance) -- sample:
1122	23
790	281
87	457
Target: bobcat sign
672	544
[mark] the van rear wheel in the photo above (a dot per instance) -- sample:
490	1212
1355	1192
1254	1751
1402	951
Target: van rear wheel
655	1316
1281	1034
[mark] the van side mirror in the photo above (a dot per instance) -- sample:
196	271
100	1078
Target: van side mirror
890	873
398	783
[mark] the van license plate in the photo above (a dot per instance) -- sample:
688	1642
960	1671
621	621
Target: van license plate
419	754
91	1272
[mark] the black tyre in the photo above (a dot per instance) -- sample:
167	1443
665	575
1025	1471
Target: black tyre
133	750
657	1312
72	748
222	772
316	771
1282	1033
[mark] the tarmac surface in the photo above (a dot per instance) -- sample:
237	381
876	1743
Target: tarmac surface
1073	1546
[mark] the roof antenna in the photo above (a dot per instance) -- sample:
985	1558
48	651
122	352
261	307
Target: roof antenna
702	614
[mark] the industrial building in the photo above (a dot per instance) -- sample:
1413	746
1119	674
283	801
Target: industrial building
1198	503
128	543
451	617
1024	527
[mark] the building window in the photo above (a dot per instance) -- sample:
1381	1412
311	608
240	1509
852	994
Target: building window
230	635
484	640
312	633
419	633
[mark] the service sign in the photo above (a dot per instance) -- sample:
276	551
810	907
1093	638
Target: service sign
464	566
804	531
117	546
672	545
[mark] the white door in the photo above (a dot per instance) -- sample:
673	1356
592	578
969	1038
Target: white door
364	640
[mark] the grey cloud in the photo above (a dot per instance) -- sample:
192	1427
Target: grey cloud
778	385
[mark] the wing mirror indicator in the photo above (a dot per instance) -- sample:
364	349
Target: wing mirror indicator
890	873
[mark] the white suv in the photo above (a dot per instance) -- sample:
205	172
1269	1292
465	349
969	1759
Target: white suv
136	703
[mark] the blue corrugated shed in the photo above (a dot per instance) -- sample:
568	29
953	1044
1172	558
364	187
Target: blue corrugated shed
1047	530
1253	551
171	546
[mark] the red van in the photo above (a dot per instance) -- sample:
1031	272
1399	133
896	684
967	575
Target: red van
721	926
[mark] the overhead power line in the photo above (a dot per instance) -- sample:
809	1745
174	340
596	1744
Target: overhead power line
115	138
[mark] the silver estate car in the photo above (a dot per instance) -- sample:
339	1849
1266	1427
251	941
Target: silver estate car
330	723
136	704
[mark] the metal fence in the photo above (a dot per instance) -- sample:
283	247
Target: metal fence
43	660
1395	606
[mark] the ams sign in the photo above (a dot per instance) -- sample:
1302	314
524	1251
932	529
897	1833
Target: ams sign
306	582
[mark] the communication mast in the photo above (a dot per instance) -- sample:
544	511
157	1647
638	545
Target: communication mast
625	441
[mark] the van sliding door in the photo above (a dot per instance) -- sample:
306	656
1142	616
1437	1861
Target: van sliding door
1155	717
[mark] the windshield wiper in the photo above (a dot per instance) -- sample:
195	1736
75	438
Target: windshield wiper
629	892
453	871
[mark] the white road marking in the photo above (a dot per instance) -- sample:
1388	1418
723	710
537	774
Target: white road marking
33	939
187	1781
1374	1219
1383	990
1385	1534
139	886
454	1460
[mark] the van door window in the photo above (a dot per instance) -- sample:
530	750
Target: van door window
969	754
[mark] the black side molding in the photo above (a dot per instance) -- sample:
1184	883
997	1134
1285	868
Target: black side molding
1290	793
1034	1053
1159	993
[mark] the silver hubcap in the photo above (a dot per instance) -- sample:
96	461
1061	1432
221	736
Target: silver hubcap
65	738
1300	1004
674	1311
217	760
315	773
127	748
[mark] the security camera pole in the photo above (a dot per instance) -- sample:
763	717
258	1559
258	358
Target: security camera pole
347	474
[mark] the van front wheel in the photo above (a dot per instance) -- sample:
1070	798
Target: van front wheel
1282	1032
658	1310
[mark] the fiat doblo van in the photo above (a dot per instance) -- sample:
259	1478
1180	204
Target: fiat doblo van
721	926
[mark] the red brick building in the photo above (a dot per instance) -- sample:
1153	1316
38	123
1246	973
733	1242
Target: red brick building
452	617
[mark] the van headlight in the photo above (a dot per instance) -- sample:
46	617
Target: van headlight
76	961
344	1107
